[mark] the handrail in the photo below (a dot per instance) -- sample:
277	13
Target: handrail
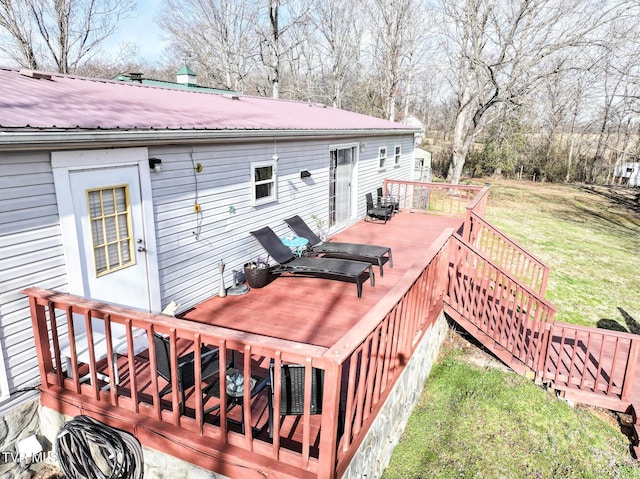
507	253
601	365
433	198
595	361
50	311
376	360
497	303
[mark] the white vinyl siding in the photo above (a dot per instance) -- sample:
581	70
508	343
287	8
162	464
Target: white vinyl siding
190	245
31	254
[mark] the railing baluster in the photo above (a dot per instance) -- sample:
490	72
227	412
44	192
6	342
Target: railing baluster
133	376
56	343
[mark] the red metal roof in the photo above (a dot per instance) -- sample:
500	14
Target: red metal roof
64	101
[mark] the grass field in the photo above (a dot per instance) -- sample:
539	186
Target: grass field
481	422
590	241
474	421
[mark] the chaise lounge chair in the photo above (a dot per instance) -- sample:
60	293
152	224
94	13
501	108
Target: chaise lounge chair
372	253
330	268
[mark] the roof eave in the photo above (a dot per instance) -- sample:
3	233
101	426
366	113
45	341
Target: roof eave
74	139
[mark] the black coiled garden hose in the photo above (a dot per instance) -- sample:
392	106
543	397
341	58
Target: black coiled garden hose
82	438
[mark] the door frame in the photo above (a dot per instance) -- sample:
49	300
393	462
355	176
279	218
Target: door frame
353	190
63	163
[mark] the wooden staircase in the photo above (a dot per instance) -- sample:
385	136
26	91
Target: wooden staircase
512	319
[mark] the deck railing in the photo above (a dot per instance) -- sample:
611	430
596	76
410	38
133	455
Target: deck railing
122	382
498	304
359	371
592	361
591	365
506	253
392	330
436	198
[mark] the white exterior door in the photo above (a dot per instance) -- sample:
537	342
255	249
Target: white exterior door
107	225
108	212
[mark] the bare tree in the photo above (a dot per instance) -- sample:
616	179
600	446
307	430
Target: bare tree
339	23
62	34
218	36
275	38
389	27
17	29
501	49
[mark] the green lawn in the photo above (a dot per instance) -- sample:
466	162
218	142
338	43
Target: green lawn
477	422
591	244
474	422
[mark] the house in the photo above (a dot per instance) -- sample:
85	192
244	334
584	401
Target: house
132	198
422	169
128	194
628	173
415	122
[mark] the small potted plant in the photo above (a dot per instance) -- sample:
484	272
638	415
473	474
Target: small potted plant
257	272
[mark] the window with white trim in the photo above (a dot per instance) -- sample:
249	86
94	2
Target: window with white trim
396	155
382	157
263	182
110	220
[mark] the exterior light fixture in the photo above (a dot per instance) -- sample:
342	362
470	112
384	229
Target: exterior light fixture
305	174
155	164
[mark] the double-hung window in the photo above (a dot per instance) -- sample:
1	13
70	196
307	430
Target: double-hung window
382	157
396	155
263	182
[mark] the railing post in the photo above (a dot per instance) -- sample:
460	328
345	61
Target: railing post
543	284
631	373
41	337
467	226
330	420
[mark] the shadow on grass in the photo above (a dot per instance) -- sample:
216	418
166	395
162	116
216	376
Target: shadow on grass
632	326
627	197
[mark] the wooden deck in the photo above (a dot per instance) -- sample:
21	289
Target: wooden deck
590	365
594	366
360	344
319	311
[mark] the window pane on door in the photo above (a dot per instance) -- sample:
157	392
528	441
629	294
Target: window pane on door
110	220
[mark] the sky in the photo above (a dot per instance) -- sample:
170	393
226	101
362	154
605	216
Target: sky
142	30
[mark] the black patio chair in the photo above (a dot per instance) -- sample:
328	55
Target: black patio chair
329	268
377	213
210	366
292	391
388	201
372	253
